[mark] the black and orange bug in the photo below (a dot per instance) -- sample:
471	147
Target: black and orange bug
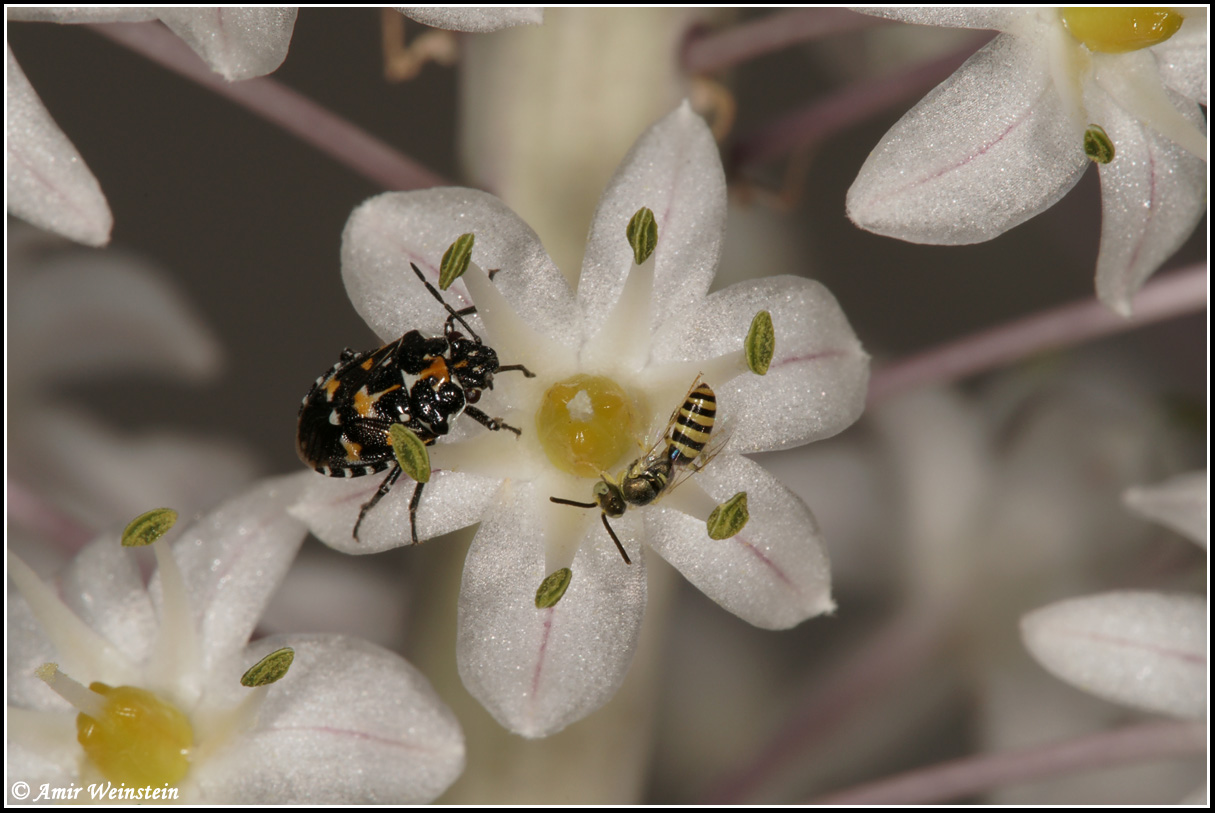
425	383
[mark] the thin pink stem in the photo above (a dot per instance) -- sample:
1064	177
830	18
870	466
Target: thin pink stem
881	662
28	510
273	101
1177	294
1142	742
714	51
844	108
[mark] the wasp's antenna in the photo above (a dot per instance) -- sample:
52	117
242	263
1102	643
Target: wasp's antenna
603	516
435	293
576	504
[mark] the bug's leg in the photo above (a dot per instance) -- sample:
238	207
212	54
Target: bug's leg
526	372
493	272
495	424
385	487
348	354
414	502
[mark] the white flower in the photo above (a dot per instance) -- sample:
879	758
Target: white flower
349	722
650	330
1003	138
48	182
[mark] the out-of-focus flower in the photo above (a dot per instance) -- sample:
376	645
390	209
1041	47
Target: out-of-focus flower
49	184
633	335
349	722
1180	502
1015	127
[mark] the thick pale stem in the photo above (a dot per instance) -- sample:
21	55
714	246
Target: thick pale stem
177	649
298	115
1177	294
965	777
624	341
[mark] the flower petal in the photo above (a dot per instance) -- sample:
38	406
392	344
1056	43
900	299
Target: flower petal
474	20
349	723
1182	58
388	232
105	589
985	151
1153	194
330	507
774	573
233	559
1181	503
42	749
537	671
48	182
1147	650
78	14
238	43
816	385
675	170
995	18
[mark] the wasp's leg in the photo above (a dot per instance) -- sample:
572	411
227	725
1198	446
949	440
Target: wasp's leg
385	487
414	502
495	424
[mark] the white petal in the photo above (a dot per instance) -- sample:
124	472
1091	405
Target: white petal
1153	194
1182	58
816	385
79	14
675	170
995	18
537	671
99	313
985	151
1147	650
1181	503
349	723
42	749
386	233
475	20
330	506
105	589
48	182
238	43
774	573
233	559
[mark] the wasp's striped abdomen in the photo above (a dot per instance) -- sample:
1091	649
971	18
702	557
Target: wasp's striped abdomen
692	426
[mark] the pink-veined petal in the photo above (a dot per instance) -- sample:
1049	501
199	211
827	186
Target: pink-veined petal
238	43
774	573
48	182
986	150
231	561
1141	649
330	506
1153	194
1182	503
816	384
536	671
388	232
674	169
473	20
349	723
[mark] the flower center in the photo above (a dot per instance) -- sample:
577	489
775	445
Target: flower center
1118	30
585	424
138	739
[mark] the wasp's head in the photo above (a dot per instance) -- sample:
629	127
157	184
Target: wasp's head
609	498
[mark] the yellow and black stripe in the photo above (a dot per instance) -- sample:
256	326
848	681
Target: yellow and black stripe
692	426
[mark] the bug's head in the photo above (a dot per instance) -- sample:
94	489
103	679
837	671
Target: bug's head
474	365
608	497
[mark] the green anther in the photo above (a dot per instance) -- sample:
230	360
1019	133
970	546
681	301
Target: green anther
553	588
455	260
728	518
760	343
147	528
1097	145
643	235
410	452
269	669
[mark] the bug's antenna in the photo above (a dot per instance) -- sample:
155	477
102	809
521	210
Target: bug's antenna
435	293
603	516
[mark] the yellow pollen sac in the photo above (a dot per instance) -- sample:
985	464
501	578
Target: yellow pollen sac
586	424
140	740
1118	30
